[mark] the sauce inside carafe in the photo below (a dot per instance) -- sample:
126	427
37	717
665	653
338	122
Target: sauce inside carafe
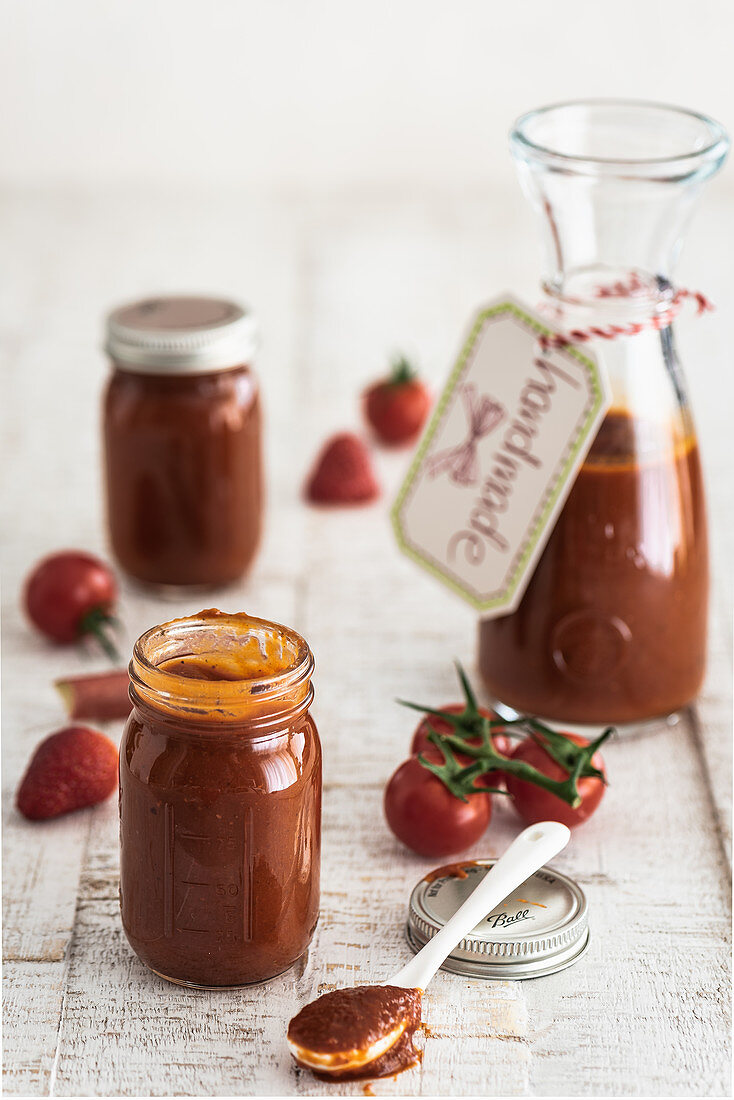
612	625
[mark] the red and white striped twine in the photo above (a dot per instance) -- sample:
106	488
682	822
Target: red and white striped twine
628	289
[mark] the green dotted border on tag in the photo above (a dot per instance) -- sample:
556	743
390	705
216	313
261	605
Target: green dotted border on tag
531	541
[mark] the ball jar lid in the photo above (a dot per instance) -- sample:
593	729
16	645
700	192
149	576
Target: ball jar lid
180	334
540	928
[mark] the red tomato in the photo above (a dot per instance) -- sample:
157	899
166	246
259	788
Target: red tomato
64	590
534	804
430	722
426	816
396	407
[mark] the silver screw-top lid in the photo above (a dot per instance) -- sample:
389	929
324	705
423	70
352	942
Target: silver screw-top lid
180	334
540	928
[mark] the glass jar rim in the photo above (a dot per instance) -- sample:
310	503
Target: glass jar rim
712	152
258	698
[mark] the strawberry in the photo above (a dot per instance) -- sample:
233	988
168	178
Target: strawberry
397	407
73	768
342	473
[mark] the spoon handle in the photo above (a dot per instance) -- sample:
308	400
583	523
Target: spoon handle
527	853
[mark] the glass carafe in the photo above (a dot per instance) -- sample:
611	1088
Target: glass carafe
612	625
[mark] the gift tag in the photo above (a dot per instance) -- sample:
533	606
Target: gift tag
500	454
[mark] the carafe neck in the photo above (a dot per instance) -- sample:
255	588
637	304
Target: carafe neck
614	184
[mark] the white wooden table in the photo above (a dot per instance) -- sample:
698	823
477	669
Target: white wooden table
339	284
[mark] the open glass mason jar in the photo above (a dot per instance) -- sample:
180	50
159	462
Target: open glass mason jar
612	626
220	801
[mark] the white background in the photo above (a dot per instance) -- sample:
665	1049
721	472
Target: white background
327	95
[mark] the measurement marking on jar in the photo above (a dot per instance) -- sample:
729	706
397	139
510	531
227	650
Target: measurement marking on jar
248	871
168	869
225	898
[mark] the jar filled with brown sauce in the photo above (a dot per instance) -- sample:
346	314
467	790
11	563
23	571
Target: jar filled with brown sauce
612	625
182	441
220	800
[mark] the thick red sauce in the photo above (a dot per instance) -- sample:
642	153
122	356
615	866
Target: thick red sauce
612	626
220	821
346	1023
449	870
184	476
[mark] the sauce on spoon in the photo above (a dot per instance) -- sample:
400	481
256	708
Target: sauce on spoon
366	1031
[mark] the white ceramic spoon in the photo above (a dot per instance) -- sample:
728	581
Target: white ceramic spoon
527	853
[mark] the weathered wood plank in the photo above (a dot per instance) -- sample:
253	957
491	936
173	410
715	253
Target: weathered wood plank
338	287
645	1012
712	718
124	1030
33	996
633	993
42	861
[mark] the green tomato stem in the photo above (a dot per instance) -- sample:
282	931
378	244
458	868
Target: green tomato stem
97	622
469	724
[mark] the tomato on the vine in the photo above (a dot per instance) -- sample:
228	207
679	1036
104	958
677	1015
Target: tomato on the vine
551	775
432	722
426	816
536	804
